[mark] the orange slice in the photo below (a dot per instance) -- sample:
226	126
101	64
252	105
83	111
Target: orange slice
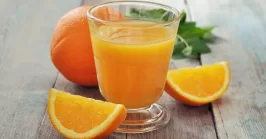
78	117
198	85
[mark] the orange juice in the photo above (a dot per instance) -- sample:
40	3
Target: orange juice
132	62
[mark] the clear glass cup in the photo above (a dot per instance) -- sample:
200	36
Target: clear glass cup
132	49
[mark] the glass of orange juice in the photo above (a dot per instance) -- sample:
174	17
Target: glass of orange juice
132	50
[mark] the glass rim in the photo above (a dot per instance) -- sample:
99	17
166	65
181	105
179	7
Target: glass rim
169	8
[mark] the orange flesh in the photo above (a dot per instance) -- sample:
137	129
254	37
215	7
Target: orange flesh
201	82
82	114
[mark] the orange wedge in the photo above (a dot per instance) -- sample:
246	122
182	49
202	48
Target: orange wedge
198	85
78	117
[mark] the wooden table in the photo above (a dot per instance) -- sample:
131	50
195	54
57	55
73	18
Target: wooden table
26	71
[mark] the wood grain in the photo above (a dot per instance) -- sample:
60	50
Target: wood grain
26	72
187	122
240	28
26	75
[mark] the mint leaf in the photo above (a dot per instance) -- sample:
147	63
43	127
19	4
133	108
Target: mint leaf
155	14
189	29
198	45
183	17
178	48
186	27
177	54
191	40
187	51
208	35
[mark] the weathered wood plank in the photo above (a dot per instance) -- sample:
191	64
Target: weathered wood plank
47	131
185	120
241	112
26	72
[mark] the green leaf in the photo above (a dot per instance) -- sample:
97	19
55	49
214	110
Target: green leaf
208	35
189	29
191	40
199	45
187	51
155	14
186	27
178	50
183	17
208	29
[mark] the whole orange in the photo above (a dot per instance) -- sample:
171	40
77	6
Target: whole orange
71	50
